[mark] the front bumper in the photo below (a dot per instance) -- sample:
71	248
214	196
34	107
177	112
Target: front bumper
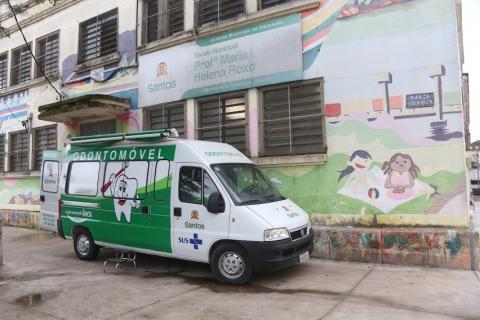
277	254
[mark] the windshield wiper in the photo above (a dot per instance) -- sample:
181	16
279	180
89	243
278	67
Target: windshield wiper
275	198
251	201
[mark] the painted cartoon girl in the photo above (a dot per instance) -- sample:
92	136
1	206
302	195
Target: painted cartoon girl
401	173
361	179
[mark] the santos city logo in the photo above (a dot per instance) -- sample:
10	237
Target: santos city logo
162	71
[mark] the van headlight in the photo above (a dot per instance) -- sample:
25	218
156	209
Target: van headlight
276	234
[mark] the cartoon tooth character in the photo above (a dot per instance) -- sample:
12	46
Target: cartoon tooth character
124	192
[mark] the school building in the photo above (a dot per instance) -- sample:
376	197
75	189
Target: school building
354	108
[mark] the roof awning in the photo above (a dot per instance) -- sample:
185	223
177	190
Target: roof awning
83	108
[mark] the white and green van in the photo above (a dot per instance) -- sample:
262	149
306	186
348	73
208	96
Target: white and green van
195	200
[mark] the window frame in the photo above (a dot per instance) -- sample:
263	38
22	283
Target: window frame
37	73
221	116
10	152
12	51
202	189
198	17
80	58
5	80
163	31
146	179
147	119
261	128
69	172
34	140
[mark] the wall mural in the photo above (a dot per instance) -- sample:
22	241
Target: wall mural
20	191
393	113
119	79
13	110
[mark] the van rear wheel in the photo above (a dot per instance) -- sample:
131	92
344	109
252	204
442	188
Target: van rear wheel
231	264
84	246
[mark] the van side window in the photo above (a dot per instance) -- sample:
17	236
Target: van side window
83	178
162	183
190	185
125	180
191	188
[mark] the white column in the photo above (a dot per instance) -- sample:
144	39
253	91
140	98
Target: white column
251	6
190	119
189	15
253	125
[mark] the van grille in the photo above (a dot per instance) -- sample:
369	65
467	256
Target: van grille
300	233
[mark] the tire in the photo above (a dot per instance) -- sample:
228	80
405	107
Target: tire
84	246
231	264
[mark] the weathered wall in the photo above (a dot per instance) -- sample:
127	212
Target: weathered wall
436	247
393	111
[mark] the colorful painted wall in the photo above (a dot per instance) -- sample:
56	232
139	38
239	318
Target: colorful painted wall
393	112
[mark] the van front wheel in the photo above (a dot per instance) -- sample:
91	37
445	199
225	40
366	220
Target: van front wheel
231	264
84	247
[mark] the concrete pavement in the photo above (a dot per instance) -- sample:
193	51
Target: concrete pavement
43	279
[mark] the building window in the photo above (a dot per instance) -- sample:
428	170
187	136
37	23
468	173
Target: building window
222	119
47	55
18	155
98	36
99	127
2	153
293	119
43	139
161	19
167	116
3	70
21	65
210	11
264	4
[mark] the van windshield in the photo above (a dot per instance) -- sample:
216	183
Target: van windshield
246	184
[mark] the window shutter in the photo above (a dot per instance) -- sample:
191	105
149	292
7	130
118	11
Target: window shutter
168	116
293	119
307	118
19	145
21	65
162	18
209	11
47	55
44	139
3	71
276	123
175	16
100	127
98	36
264	4
222	119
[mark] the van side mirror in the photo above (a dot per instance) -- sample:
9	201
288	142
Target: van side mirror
215	203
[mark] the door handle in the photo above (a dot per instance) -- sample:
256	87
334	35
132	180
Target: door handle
145	209
42	198
177	212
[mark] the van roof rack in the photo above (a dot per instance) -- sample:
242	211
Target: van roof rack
150	136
